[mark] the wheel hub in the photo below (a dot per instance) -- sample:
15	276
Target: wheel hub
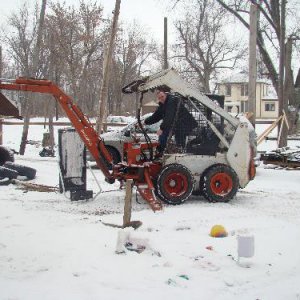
176	184
221	184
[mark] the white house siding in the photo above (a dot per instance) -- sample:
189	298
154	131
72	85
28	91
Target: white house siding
262	98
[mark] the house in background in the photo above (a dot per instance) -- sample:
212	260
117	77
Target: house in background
235	89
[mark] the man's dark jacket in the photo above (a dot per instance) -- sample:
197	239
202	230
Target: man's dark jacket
167	112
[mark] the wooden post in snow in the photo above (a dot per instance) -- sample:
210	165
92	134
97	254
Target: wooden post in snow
128	202
106	69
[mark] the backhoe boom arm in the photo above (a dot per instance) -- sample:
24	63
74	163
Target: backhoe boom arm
82	125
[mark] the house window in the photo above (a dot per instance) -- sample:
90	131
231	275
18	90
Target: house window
266	91
269	106
244	89
229	108
244	106
227	90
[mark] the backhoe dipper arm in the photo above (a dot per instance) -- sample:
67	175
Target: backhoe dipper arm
82	125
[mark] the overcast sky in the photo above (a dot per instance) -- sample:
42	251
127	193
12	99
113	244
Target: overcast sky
149	13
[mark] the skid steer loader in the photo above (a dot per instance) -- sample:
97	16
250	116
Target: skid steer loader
218	158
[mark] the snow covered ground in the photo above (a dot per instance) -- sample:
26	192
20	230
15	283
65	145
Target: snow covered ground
52	248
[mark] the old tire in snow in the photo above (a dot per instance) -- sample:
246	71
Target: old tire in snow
22	170
8	173
175	184
6	155
219	183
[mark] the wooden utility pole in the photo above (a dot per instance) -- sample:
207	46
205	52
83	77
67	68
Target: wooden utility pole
252	63
1	62
166	65
106	69
283	107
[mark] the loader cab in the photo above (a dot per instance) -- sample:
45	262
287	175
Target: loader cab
202	140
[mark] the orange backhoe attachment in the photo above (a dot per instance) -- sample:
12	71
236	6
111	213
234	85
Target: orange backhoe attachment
94	142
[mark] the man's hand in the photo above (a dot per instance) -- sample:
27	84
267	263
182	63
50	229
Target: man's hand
159	132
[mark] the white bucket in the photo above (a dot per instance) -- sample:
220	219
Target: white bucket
245	245
245	248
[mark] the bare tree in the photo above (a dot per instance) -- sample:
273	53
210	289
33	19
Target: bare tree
272	33
78	36
202	43
71	54
25	47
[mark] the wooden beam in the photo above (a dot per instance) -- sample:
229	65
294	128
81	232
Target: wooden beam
268	130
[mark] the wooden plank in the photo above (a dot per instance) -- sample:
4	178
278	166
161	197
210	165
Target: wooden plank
281	163
286	120
280	130
268	130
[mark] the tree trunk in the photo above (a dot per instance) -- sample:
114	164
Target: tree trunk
289	87
24	134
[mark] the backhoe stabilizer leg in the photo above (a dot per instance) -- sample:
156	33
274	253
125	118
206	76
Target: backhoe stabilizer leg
149	196
146	190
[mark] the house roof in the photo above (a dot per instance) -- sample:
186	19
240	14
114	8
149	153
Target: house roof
242	77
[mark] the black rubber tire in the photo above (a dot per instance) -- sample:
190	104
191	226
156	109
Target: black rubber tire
6	155
197	193
22	170
175	184
8	173
4	181
219	183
